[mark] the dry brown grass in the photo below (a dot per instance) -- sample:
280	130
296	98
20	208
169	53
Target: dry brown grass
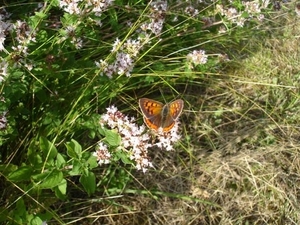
254	186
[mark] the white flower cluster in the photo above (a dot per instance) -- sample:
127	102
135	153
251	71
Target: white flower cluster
253	9
5	26
3	69
71	7
126	53
157	17
197	57
70	33
102	154
81	7
191	11
3	121
133	139
124	59
23	36
166	140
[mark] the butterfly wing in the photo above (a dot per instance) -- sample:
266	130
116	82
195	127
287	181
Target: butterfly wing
176	108
152	112
173	111
150	108
153	124
157	115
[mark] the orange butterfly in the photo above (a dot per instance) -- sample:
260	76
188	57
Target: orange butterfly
157	115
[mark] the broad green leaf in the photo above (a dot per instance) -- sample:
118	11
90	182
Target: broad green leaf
61	190
36	221
76	168
112	138
20	208
21	174
101	130
48	148
52	180
63	187
92	161
58	194
88	181
74	149
60	161
38	176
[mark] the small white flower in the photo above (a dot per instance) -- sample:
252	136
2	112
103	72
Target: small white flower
116	45
3	120
132	138
3	70
197	57
102	154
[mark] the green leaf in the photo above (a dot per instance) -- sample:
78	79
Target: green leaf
34	155
92	161
60	161
91	123
74	149
88	182
76	168
112	138
58	194
40	15
123	156
5	169
54	3
36	19
36	221
48	148
53	179
21	174
17	74
92	134
101	130
61	189
20	209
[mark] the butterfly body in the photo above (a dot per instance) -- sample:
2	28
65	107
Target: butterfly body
157	115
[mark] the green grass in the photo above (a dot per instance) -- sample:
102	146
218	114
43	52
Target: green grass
236	161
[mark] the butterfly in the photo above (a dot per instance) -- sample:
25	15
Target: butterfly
157	115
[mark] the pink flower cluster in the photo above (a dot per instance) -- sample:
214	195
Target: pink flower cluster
125	53
135	141
253	9
197	57
81	7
